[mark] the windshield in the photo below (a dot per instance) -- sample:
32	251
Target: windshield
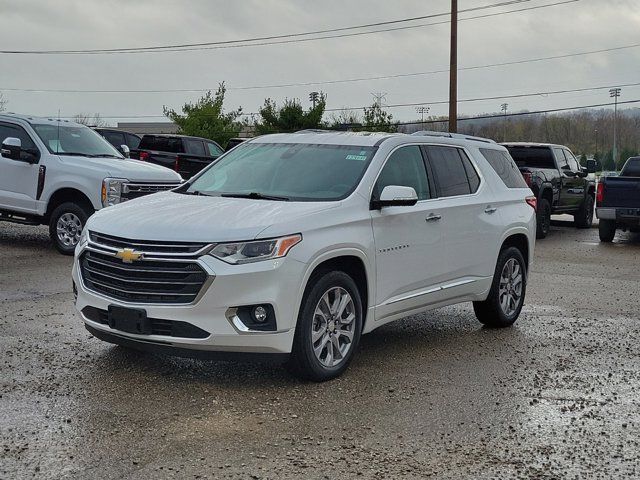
631	168
74	140
303	172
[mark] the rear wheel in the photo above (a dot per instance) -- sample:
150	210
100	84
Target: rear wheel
584	217
607	230
506	297
65	226
328	328
543	218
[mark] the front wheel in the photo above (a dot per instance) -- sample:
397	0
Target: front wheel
584	217
65	226
328	328
506	297
607	230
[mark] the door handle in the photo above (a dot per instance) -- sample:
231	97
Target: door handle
490	210
433	217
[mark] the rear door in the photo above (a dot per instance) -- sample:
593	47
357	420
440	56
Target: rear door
409	250
470	219
18	180
196	158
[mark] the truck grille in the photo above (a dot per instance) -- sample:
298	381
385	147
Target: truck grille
146	281
135	190
149	247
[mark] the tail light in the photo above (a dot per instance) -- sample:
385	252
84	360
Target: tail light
528	178
533	202
144	156
600	194
176	164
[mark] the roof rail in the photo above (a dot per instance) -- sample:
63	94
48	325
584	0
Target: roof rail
314	130
428	133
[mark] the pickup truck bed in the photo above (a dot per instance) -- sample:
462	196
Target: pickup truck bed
618	201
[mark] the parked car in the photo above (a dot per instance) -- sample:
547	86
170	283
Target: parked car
618	201
58	173
558	181
234	142
120	139
296	244
185	155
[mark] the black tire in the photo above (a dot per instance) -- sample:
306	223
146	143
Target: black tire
607	230
543	218
584	217
303	362
72	210
490	312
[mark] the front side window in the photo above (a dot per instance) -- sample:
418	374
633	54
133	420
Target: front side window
74	140
560	158
404	168
291	171
114	138
214	150
10	130
571	160
449	171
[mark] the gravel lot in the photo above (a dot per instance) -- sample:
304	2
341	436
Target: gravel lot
435	395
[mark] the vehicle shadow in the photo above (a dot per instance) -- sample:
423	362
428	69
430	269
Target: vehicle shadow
25	236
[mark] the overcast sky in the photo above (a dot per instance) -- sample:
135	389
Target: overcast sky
585	25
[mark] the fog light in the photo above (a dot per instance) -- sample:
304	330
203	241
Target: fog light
259	314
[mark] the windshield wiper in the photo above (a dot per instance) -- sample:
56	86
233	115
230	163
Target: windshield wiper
75	154
106	155
255	196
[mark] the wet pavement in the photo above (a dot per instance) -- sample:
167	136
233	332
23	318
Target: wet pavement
432	396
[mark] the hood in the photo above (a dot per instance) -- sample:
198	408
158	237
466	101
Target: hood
172	216
133	170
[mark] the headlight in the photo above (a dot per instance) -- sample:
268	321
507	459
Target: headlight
112	191
247	252
83	236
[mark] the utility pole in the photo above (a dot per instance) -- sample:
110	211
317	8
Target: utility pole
596	155
422	110
504	108
313	98
615	93
453	70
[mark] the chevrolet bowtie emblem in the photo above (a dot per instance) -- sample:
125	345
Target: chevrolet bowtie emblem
128	255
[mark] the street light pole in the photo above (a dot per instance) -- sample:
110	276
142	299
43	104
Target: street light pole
453	70
422	110
504	108
615	93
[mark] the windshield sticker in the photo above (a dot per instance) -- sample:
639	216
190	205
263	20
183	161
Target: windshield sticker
360	158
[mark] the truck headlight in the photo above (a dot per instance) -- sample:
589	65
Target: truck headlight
246	252
112	191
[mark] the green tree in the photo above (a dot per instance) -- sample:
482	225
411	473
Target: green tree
377	120
290	117
624	156
583	160
607	162
206	118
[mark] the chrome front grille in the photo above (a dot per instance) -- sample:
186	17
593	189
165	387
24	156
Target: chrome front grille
135	190
165	273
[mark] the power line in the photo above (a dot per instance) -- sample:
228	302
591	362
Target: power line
289	38
330	82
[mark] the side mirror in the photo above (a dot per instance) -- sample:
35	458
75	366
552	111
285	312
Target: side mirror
592	166
395	196
125	151
11	148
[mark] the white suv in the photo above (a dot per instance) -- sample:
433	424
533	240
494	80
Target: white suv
58	173
296	244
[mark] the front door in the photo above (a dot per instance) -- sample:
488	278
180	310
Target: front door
572	187
408	240
18	179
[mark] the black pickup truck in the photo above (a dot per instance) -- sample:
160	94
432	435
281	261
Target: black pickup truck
558	181
618	201
186	155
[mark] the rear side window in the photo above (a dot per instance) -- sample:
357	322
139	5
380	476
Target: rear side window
532	157
405	168
505	167
161	144
449	170
195	147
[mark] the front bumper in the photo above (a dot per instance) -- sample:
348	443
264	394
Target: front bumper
275	282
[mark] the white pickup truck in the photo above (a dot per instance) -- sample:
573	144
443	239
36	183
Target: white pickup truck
57	173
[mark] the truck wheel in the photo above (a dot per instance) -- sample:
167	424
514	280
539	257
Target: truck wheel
584	216
65	226
543	218
328	328
607	230
506	297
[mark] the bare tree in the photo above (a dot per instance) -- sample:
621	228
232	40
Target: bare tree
89	120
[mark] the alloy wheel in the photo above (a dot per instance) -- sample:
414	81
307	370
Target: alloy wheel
333	327
510	289
69	229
